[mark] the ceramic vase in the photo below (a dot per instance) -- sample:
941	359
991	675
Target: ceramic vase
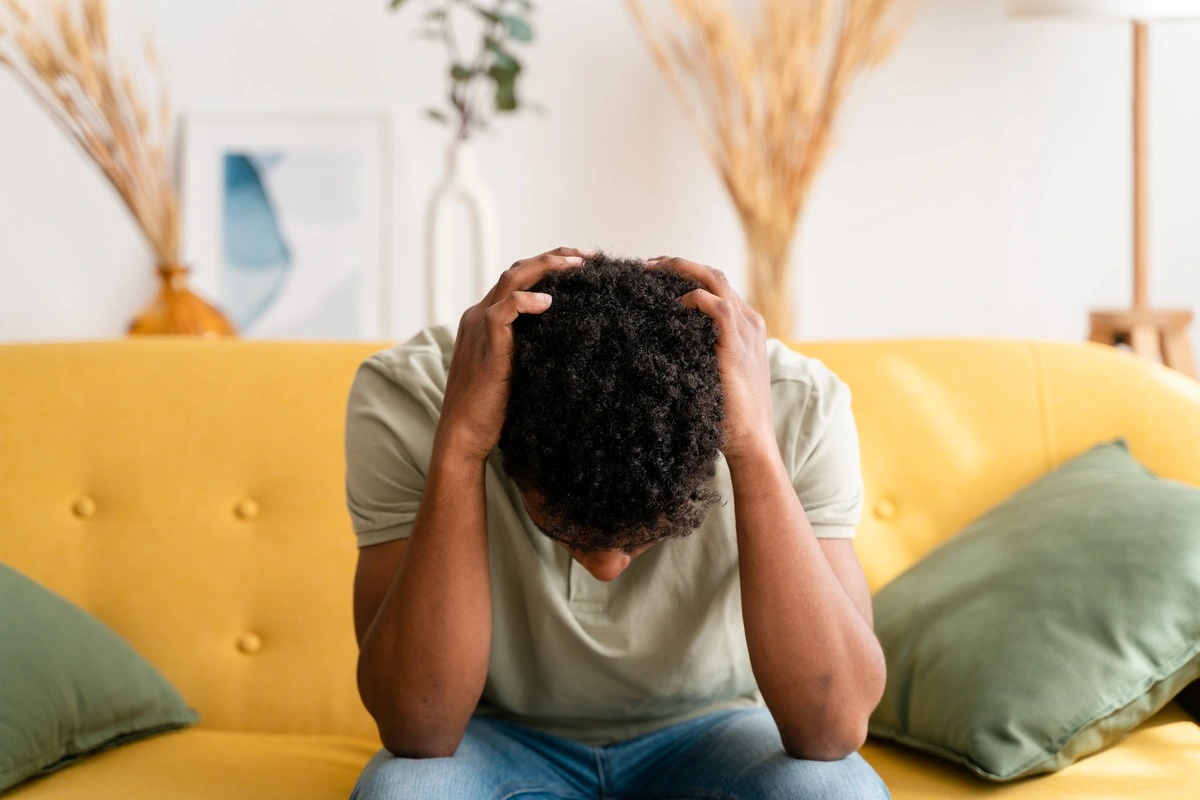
177	310
449	234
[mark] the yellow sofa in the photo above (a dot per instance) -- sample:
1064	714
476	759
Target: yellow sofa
189	493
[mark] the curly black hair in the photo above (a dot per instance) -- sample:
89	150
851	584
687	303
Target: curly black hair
615	409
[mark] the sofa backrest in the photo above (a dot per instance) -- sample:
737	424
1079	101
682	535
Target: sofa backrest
949	429
190	493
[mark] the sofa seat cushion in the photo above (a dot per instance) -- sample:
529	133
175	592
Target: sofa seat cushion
1159	760
203	763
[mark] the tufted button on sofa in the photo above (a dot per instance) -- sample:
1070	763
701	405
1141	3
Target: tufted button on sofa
190	494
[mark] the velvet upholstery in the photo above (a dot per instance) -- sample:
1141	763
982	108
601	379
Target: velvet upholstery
189	493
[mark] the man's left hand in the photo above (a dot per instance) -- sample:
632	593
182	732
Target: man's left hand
741	353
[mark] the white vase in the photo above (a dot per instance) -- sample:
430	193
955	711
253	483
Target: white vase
446	237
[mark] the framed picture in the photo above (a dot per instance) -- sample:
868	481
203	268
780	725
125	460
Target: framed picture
285	220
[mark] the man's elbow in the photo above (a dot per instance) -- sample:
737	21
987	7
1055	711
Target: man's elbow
831	742
405	735
404	744
839	728
402	733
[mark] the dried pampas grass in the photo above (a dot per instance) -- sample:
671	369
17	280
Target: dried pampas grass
61	55
764	103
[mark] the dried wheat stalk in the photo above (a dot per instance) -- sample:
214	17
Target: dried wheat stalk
764	103
62	56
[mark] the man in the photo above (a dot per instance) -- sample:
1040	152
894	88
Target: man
650	590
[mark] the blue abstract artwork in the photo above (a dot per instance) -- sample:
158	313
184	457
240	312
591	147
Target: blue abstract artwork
292	260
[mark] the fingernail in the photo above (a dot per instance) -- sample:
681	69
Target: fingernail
574	260
545	298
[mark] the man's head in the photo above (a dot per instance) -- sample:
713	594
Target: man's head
615	415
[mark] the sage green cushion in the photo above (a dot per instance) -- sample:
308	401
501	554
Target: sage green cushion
1051	626
69	686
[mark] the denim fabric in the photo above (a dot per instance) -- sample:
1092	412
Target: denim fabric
729	755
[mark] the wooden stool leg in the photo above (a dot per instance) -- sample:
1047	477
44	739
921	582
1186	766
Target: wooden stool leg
1102	333
1143	340
1177	351
1101	336
1160	336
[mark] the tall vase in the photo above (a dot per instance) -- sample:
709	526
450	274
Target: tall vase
176	310
461	186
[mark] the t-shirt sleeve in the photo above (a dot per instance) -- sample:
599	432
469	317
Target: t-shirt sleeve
819	445
388	436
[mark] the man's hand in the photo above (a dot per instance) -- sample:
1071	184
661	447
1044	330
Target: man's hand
477	385
741	353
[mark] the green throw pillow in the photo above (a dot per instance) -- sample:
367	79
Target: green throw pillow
1051	626
70	687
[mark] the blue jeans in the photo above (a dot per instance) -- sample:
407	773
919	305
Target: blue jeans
729	755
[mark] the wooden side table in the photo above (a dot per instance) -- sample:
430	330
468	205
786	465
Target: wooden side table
1153	335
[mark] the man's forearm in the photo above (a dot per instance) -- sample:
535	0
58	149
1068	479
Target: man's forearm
814	655
423	661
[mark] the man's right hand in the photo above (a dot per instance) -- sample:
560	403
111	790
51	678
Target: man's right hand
477	385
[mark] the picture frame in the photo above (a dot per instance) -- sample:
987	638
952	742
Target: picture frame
286	218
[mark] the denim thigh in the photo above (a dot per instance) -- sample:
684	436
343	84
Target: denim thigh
496	760
732	755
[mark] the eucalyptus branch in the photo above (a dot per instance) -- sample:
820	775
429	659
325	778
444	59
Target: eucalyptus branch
448	36
491	67
478	70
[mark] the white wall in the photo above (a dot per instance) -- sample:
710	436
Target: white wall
981	186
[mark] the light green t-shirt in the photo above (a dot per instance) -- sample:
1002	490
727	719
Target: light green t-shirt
573	656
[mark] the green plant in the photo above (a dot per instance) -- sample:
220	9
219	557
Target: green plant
491	70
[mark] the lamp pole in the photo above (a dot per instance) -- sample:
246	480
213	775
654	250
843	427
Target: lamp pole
1153	334
1141	194
1156	335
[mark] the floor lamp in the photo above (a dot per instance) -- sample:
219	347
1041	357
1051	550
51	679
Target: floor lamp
1150	333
